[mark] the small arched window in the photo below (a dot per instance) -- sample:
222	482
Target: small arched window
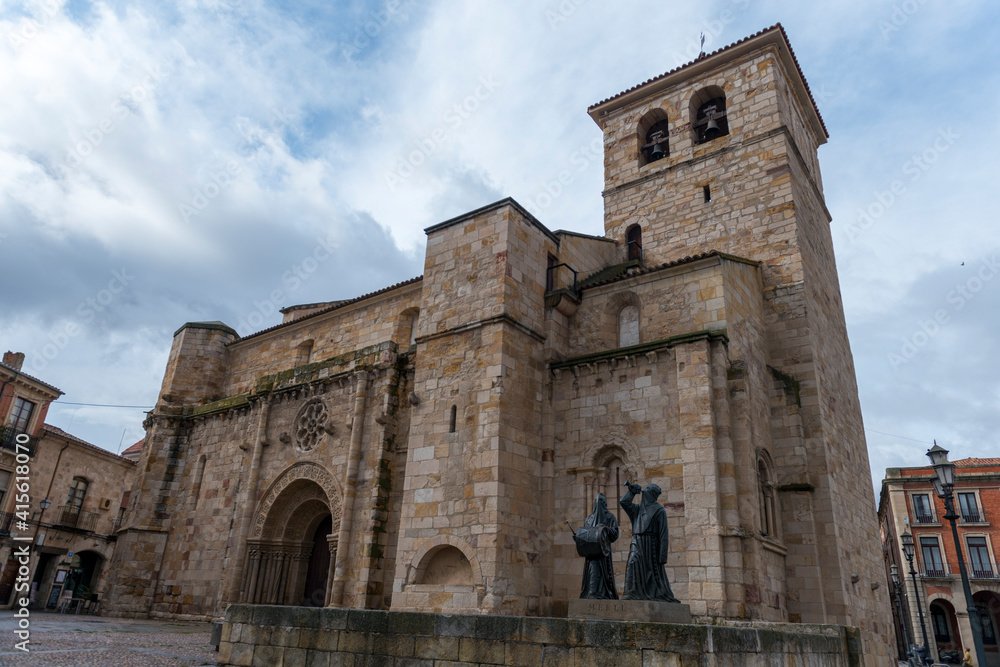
406	327
628	326
633	240
199	474
303	353
708	114
765	485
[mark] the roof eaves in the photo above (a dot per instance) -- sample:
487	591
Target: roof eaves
58	432
776	27
33	379
669	265
339	304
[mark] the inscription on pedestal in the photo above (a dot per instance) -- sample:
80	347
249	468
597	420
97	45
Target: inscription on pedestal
645	611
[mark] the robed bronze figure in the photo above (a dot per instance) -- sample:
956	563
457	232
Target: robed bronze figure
645	576
593	542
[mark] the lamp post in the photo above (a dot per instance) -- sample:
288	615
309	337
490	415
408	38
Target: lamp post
44	504
894	573
907	541
944	485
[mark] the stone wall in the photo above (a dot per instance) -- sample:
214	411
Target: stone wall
275	636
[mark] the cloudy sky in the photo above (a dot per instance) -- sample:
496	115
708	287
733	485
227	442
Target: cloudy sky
170	162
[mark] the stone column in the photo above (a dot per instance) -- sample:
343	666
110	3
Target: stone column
331	541
233	592
350	488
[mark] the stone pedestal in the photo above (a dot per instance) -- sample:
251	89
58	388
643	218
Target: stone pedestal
644	611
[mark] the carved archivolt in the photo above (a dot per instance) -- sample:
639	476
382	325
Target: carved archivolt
610	445
310	424
298	484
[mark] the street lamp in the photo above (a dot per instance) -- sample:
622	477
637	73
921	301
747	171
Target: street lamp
44	504
944	485
894	573
907	541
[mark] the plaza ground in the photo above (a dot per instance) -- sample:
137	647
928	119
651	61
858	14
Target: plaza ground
77	641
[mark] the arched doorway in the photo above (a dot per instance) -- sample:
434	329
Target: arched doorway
293	544
944	626
988	605
85	568
318	571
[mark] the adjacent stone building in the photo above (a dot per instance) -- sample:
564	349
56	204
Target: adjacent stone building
75	493
908	503
423	446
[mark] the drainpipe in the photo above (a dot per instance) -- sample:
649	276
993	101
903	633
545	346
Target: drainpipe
234	593
350	490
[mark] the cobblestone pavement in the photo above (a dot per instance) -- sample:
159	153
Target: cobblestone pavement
79	641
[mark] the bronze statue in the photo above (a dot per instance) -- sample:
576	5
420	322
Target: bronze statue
645	576
593	542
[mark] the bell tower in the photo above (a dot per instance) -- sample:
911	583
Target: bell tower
721	155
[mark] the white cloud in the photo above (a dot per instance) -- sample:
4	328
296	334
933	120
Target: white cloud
285	121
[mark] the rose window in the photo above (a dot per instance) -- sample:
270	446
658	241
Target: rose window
309	424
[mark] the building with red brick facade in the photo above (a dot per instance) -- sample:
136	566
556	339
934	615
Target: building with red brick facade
908	504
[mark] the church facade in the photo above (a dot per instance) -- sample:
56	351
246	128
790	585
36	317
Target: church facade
423	447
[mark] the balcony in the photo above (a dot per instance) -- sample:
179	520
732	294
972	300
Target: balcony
984	571
973	515
938	571
923	517
8	441
68	516
6	521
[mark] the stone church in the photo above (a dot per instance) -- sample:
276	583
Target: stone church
423	447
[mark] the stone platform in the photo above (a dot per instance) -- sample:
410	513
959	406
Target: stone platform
643	611
267	635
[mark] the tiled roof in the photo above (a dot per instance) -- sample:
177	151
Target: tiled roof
31	377
641	270
55	430
137	447
776	26
337	304
971	461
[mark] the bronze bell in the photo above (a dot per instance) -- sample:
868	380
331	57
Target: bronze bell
712	130
658	152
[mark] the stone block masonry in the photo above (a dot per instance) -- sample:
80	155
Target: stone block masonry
274	636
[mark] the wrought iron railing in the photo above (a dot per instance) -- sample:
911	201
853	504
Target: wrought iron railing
984	571
554	281
6	521
69	516
936	571
9	440
972	516
117	524
923	517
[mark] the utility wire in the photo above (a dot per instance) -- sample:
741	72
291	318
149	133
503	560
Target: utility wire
101	405
903	437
